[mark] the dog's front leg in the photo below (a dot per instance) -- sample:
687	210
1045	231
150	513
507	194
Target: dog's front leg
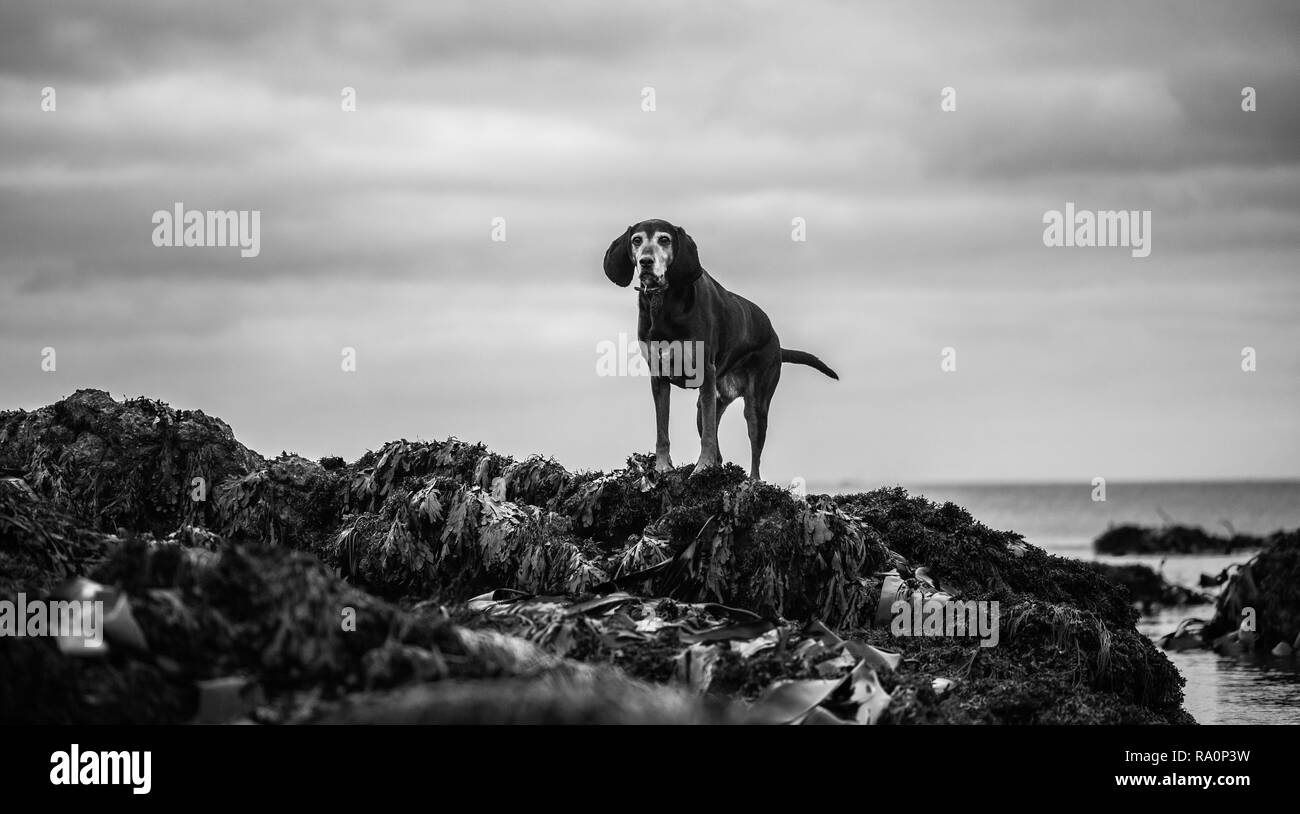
708	407
661	389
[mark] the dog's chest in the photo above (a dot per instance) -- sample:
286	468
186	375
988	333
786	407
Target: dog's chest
663	318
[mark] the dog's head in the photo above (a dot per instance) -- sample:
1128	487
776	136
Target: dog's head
663	254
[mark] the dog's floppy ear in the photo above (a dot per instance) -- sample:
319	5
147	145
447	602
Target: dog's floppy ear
618	259
685	268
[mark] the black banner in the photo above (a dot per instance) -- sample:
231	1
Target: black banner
494	765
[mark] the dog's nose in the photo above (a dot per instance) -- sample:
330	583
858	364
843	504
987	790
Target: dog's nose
647	262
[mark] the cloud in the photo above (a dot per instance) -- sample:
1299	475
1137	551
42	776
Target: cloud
924	227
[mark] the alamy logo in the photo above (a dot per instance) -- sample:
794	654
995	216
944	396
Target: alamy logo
658	357
1123	228
213	228
74	619
946	617
90	768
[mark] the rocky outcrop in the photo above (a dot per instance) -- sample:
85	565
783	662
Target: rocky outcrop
431	578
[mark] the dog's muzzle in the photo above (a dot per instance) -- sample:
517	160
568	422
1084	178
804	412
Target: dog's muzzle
651	283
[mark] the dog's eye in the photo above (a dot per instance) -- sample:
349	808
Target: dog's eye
636	241
664	241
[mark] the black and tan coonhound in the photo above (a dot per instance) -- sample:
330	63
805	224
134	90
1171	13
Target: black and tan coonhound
683	307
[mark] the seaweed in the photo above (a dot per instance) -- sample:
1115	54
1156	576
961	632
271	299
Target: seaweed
480	587
1268	586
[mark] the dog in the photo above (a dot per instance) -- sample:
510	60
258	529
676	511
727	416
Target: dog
681	305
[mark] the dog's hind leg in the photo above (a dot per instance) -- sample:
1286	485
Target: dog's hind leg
661	390
756	418
757	401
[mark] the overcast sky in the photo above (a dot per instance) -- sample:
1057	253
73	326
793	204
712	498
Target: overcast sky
924	228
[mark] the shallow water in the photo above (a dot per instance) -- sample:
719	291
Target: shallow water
1063	519
1220	689
1224	690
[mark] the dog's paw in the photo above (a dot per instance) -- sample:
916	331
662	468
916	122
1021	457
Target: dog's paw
664	464
706	463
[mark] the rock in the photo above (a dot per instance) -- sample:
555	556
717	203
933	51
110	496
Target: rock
1148	588
1176	539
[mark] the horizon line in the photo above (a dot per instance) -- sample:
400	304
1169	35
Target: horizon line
924	483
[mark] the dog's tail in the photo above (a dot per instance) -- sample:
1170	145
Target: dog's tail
799	357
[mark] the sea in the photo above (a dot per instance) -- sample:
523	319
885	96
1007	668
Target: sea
1064	519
